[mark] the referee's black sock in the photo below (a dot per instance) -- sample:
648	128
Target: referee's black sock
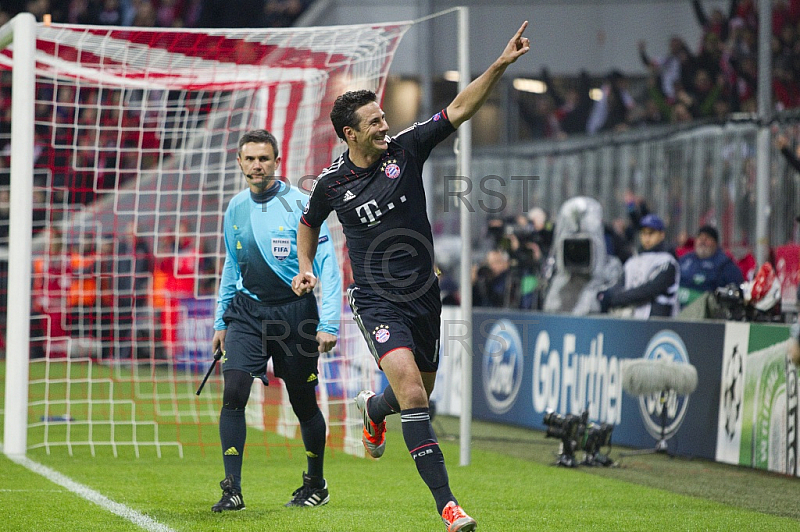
383	405
232	434
313	433
424	448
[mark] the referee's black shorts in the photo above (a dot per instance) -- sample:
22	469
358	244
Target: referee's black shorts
413	323
286	333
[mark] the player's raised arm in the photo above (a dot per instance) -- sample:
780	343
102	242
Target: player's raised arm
468	101
307	240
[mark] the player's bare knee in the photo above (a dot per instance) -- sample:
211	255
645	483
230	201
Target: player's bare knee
412	396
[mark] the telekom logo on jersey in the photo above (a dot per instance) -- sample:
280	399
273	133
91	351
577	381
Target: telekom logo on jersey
369	212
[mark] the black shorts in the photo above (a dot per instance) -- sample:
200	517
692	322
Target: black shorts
389	325
286	333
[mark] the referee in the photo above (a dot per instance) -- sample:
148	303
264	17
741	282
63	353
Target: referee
259	316
376	189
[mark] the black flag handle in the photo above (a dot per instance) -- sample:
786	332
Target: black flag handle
217	356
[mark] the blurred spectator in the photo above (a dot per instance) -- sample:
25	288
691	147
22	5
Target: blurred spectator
282	13
52	284
220	14
684	244
543	229
192	13
717	22
174	279
145	15
449	288
572	108
783	144
617	243
710	57
675	70
167	13
785	85
746	11
610	112
5	209
706	268
680	114
110	14
702	100
491	283
650	279
636	208
542	119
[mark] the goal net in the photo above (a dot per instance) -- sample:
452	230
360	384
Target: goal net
135	145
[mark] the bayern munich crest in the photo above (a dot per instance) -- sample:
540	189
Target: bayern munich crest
392	171
381	334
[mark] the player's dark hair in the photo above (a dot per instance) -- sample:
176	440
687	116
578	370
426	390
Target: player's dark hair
259	136
344	109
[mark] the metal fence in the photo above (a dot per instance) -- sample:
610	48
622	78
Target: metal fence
701	174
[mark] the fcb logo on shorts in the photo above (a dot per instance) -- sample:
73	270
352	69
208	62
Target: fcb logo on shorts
281	248
381	334
392	171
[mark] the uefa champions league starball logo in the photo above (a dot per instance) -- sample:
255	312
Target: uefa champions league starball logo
732	391
666	345
502	366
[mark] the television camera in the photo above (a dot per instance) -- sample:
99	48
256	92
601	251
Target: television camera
576	432
756	300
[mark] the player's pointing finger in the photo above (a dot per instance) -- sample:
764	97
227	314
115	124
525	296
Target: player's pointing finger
521	30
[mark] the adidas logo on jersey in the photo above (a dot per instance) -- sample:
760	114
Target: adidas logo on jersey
349	195
311	378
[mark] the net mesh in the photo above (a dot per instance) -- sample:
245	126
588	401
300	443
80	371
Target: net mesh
136	135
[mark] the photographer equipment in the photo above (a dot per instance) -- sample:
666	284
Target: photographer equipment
576	432
730	302
579	265
643	376
566	429
595	437
756	300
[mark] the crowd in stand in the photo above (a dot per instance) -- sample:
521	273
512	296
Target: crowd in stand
162	13
712	80
519	265
717	77
95	285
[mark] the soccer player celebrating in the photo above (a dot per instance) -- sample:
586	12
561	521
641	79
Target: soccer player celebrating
376	189
255	291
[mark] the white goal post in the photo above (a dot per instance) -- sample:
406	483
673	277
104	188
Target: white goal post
22	31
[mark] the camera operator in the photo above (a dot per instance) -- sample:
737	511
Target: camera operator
649	284
706	268
492	284
526	242
529	248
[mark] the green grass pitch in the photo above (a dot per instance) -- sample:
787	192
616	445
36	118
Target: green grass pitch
511	485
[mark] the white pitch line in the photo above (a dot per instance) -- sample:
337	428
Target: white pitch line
90	495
